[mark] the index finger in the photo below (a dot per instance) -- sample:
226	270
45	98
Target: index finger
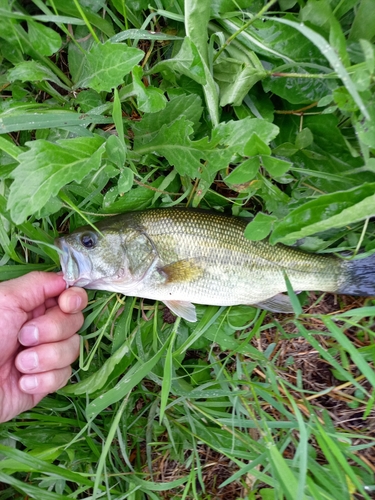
30	291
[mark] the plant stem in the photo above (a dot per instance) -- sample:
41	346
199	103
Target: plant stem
87	22
246	25
304	75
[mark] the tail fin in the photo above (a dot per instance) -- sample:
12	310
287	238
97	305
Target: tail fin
359	278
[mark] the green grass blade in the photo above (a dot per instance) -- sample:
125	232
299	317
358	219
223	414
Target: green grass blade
356	356
168	371
139	370
8	147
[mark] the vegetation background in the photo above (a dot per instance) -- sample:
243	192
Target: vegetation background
258	109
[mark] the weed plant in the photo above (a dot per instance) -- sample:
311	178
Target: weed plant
264	110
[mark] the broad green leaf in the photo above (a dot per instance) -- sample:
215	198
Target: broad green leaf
326	212
188	105
331	56
274	166
239	134
344	100
366	130
125	181
304	139
17	120
260	227
197	16
369	52
244	172
211	96
285	149
363	27
362	79
329	156
255	146
116	150
266	38
299	89
222	329
320	14
88	100
135	199
175	144
235	80
187	62
33	71
45	40
150	99
107	64
118	121
220	7
46	167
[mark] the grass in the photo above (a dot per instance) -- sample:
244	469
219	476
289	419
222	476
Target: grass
257	109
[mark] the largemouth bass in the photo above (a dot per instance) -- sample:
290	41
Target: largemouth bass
184	256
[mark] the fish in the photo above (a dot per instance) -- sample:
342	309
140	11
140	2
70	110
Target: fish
192	256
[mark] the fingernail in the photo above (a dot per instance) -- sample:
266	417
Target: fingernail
29	383
75	303
28	360
29	335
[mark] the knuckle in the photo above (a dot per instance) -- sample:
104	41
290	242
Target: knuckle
54	354
80	320
55	326
76	342
54	380
64	377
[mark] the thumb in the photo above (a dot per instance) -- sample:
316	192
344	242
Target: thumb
31	290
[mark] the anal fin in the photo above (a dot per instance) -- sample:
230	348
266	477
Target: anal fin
279	303
181	308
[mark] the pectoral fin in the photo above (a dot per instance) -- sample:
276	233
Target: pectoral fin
181	308
181	271
279	303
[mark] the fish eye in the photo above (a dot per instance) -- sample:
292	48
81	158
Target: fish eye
89	240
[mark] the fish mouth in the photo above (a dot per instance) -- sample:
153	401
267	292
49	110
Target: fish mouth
75	266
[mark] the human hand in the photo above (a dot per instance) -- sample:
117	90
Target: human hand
39	319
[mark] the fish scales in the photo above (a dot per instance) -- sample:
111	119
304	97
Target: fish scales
235	269
185	256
